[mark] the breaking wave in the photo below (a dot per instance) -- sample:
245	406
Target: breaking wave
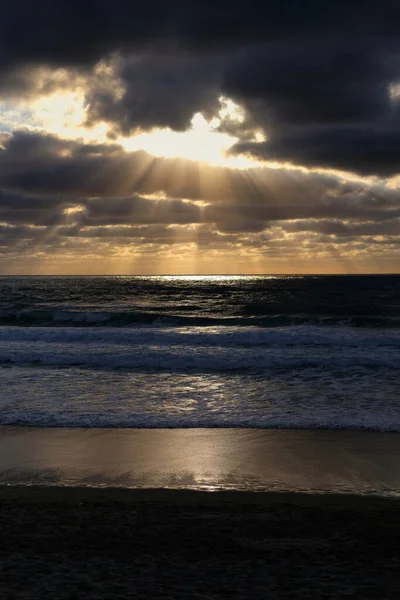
77	318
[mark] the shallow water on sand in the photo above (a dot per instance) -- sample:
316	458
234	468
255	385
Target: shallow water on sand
203	459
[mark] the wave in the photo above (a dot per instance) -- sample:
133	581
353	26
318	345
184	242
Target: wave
126	318
375	422
222	336
182	359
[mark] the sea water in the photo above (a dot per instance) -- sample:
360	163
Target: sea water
177	351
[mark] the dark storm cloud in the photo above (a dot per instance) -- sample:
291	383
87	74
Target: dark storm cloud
10	236
37	162
280	84
346	229
241	225
81	32
63	197
321	103
76	32
47	175
139	210
50	211
363	150
236	214
163	90
310	83
310	64
33	210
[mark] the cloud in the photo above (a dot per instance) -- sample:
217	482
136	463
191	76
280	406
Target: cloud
314	76
156	90
55	190
32	210
66	201
309	82
316	79
40	164
80	33
139	210
362	150
353	229
320	103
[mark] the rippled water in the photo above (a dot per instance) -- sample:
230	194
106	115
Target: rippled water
282	352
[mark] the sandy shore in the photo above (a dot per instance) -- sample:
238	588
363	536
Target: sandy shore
71	528
112	543
202	459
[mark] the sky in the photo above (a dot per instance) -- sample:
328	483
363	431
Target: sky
199	137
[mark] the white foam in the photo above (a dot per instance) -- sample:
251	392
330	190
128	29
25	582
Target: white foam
311	398
190	377
191	348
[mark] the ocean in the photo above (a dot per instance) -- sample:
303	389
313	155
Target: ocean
297	352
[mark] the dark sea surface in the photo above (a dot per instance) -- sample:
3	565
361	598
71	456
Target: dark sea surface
176	351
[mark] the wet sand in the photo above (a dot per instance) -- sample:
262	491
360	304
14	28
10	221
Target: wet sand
203	459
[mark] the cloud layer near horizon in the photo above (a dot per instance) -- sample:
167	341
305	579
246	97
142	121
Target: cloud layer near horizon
319	81
58	194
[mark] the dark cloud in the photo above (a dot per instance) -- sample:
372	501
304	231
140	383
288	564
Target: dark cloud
310	83
321	103
281	85
16	208
76	32
10	236
68	197
81	32
160	90
340	229
241	225
152	234
109	183
314	76
363	150
37	163
139	210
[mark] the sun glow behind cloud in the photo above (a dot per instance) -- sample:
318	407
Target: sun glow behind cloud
202	142
63	114
224	244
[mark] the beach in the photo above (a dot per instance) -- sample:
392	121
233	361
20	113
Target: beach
114	543
209	459
235	514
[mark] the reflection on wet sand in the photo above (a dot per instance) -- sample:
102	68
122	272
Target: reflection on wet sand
202	459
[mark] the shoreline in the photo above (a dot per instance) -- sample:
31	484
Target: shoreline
70	495
66	539
242	460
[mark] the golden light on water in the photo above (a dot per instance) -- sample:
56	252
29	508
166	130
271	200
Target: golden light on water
213	278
